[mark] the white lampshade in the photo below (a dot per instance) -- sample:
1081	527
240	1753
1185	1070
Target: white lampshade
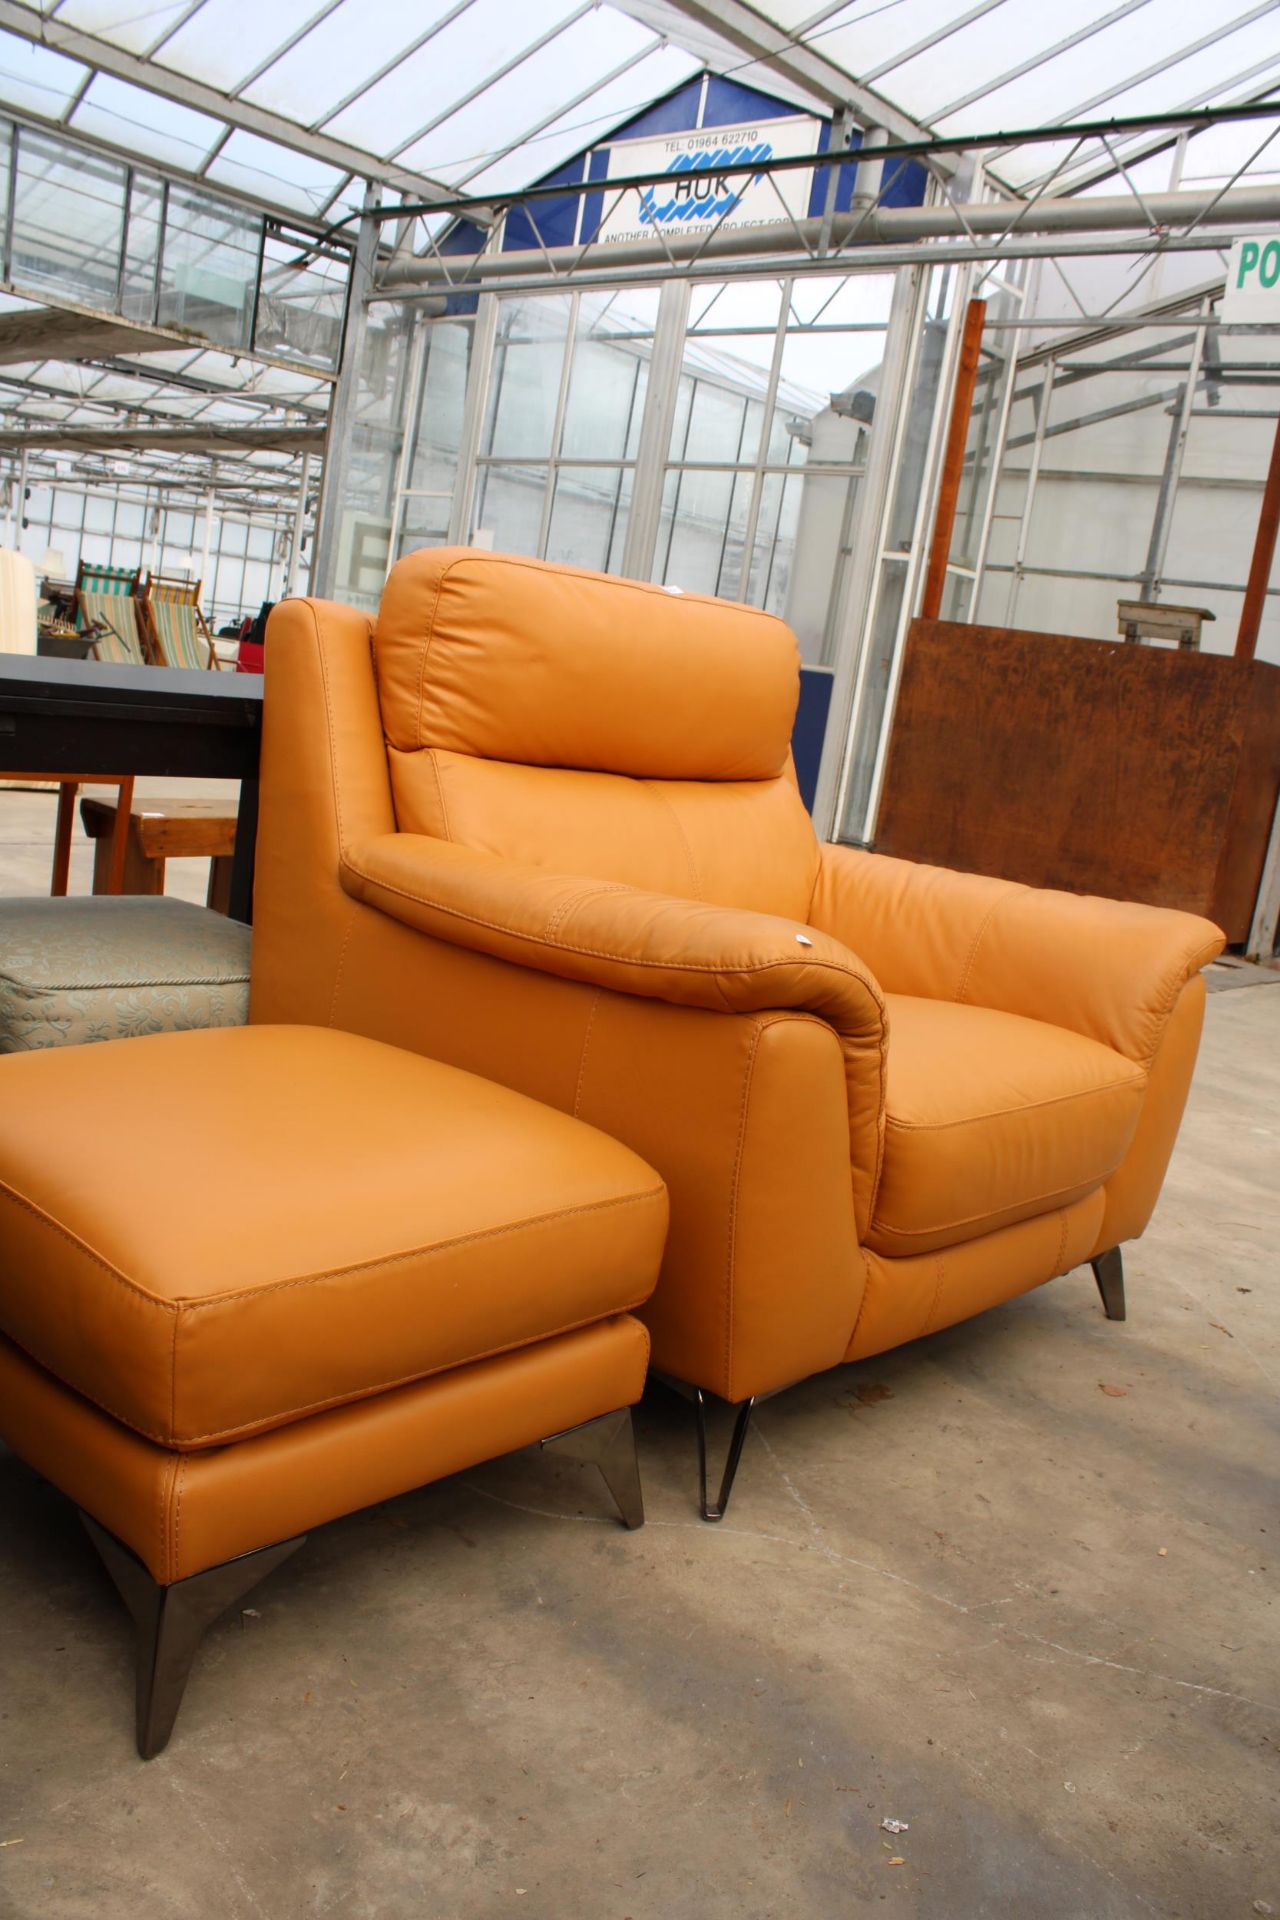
54	564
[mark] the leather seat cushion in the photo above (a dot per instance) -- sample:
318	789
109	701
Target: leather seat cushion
213	1233
992	1118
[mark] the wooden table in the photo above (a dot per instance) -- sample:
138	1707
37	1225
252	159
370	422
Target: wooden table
162	828
94	718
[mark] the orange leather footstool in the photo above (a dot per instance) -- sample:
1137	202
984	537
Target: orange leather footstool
335	1272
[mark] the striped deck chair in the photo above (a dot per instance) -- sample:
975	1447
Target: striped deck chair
178	634
107	597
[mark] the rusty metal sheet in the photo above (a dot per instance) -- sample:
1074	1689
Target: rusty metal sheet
1092	765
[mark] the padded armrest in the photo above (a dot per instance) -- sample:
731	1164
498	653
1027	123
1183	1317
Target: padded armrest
612	935
647	944
1109	969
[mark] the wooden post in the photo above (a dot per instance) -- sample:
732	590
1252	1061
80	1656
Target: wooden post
1255	594
67	790
953	459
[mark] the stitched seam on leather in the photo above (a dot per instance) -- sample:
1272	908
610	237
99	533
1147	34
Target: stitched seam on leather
1062	1242
186	1307
600	953
987	918
91	1395
82	1246
328	716
1165	1007
579	899
941	1267
586	1042
337	801
653	788
426	648
867	1256
735	1188
1031	1106
434	758
527	565
882	1117
268	1423
425	1252
178	1480
282	1417
165	1477
342	961
1032	1200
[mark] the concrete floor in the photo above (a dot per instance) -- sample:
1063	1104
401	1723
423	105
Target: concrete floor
963	1585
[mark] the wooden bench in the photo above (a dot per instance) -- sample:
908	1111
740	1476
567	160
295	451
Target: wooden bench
163	828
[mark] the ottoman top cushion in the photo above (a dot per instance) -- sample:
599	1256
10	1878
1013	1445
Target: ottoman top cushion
216	1232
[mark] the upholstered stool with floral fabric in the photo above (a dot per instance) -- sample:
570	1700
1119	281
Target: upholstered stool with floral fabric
98	968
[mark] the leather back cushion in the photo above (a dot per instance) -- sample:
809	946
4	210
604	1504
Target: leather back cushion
594	725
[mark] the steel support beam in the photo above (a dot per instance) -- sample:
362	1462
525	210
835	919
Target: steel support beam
342	410
28	23
800	66
210	439
886	226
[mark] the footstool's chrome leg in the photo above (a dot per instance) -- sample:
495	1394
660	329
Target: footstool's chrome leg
170	1621
610	1444
1108	1271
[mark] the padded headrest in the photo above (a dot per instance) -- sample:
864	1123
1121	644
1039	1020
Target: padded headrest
512	659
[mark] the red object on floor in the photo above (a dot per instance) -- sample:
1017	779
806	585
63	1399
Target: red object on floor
249	656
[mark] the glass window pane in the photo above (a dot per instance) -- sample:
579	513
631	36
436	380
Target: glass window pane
528	357
693	528
447	346
606	393
142	249
68	220
732	306
589	517
302	301
508	510
210	267
425	522
179	528
729	584
717	424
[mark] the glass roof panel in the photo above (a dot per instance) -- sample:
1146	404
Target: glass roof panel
587	50
987	48
1068	86
1202	75
462	55
36	78
136	28
159	129
1213	156
879	41
272	172
225	41
342	51
582	126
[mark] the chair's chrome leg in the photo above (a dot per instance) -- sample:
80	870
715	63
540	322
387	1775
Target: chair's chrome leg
1108	1271
736	1443
170	1621
609	1443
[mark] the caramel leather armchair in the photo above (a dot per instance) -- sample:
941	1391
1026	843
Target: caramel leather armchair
543	824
